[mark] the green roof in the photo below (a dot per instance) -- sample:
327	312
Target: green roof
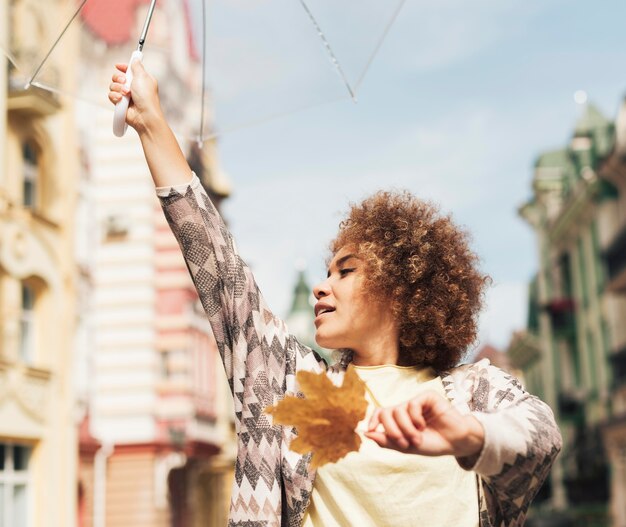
554	159
301	294
595	125
591	120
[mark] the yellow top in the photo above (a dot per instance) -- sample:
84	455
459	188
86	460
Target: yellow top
379	487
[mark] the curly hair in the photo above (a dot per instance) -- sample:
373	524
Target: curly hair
420	261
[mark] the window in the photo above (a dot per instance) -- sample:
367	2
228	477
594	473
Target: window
165	365
27	324
14	461
174	366
30	171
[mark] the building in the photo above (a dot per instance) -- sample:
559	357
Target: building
612	242
495	356
301	317
157	398
525	349
571	348
38	423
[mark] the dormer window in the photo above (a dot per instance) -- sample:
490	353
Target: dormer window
30	173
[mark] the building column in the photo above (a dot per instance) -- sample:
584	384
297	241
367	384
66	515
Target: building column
549	374
596	323
4	37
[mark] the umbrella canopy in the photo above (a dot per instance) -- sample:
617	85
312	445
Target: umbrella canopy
221	64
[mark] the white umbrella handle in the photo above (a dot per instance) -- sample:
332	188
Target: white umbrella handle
119	118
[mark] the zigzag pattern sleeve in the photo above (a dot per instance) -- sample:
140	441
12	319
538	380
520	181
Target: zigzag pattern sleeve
251	340
521	442
259	355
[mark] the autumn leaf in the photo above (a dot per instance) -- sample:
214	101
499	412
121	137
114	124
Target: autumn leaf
327	418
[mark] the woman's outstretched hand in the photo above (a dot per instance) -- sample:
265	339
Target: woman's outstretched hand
428	425
144	110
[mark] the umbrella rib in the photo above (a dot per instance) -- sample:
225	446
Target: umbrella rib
378	45
56	42
10	56
70	95
272	117
333	58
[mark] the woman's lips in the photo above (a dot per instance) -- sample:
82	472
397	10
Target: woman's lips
321	308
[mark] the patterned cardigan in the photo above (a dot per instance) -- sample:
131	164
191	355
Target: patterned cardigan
272	484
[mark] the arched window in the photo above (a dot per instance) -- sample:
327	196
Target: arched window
38	188
30	174
27	324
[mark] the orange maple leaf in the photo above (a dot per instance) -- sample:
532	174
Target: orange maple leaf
327	418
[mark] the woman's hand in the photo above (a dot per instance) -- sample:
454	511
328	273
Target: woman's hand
144	111
166	161
427	425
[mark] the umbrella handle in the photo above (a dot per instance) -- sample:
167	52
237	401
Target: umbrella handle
119	118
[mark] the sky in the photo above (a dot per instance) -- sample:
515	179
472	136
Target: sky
457	104
460	100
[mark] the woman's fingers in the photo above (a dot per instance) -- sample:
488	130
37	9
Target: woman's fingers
119	78
411	427
415	410
399	432
117	90
426	425
117	87
406	425
376	430
380	438
392	430
374	421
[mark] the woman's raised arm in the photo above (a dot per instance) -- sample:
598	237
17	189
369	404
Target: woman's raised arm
255	346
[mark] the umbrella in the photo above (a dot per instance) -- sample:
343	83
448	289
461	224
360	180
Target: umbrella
221	64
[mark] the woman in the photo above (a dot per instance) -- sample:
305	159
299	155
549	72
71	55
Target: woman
442	444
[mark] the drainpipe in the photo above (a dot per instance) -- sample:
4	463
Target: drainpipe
100	484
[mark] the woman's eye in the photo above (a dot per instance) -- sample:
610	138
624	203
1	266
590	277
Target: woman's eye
344	272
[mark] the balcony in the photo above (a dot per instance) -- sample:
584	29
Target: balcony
29	101
562	312
571	403
29	388
618	368
615	259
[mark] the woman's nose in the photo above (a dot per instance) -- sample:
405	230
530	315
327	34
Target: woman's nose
321	290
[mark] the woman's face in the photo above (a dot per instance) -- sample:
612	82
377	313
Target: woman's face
346	316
